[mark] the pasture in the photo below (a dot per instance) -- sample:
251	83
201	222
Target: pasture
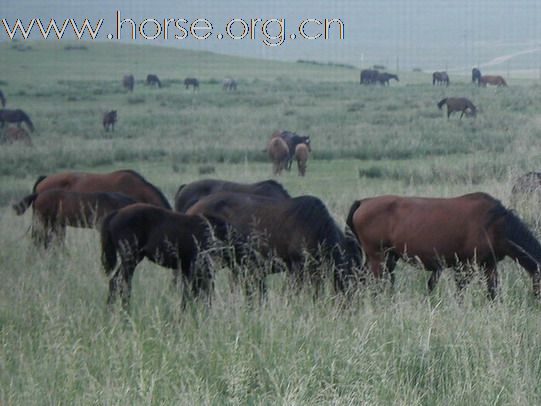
59	345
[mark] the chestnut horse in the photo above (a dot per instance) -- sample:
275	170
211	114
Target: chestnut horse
492	80
436	233
55	209
302	152
296	235
172	240
127	182
278	153
461	104
188	195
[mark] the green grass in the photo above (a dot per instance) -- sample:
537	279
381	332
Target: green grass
58	345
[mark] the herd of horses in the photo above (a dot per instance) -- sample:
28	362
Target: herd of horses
373	76
284	146
259	229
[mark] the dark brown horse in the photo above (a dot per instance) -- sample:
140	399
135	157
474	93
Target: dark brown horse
109	120
191	82
128	81
188	195
153	80
13	135
437	233
440	78
278	153
475	75
55	209
15	116
369	76
296	235
127	182
302	152
462	104
2	99
172	240
384	78
492	80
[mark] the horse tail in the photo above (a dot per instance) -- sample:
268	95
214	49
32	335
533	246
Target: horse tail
28	122
24	204
108	248
349	218
40	178
442	102
178	207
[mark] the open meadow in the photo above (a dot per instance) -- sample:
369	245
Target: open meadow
59	345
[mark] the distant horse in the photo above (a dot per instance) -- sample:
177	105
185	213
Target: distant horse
383	78
127	182
15	116
296	235
153	80
128	81
54	209
302	152
188	195
109	120
13	135
172	240
475	75
440	78
436	233
292	140
461	104
492	80
2	99
191	82
278	153
229	84
368	76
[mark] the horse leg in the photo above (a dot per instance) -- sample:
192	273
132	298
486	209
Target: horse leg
463	276
390	263
462	114
434	278
491	274
536	283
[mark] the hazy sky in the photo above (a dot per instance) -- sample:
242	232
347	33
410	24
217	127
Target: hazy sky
426	33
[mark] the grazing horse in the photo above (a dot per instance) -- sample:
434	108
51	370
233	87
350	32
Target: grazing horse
302	152
440	78
475	75
54	209
458	104
128	81
297	235
292	140
109	120
492	80
369	76
127	182
436	233
172	240
229	84
14	134
2	99
278	153
188	195
15	116
191	82
153	80
383	78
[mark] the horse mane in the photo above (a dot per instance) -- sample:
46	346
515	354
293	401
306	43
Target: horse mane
146	182
349	218
275	184
40	178
442	102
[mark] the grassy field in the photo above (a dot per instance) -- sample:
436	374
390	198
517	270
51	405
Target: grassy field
58	345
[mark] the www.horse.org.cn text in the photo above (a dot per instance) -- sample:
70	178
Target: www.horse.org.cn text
271	31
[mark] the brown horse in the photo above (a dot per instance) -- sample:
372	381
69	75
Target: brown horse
188	195
127	182
191	82
109	120
492	80
461	104
153	80
15	134
296	235
278	153
2	99
55	209
128	81
435	233
15	116
172	240
302	152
